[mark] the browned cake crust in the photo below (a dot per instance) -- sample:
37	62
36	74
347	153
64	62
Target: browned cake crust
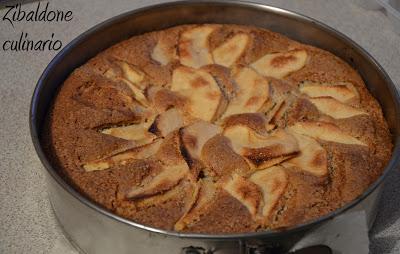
289	131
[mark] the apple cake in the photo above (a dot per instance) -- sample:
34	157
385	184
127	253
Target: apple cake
217	129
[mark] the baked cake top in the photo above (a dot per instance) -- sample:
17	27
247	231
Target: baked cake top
217	128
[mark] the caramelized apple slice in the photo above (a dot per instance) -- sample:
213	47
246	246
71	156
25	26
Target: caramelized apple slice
193	46
245	191
343	91
272	182
312	157
173	170
139	95
96	165
277	112
255	121
230	51
184	186
335	108
164	52
279	65
202	197
167	122
253	92
201	90
280	147
136	132
324	131
169	177
136	153
163	99
93	95
170	150
126	72
262	151
222	76
196	135
132	77
220	158
132	74
194	194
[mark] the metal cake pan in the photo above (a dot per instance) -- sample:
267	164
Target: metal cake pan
93	229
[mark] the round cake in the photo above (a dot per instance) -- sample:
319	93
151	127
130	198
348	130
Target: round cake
217	129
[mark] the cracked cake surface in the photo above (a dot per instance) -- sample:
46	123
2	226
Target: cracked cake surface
217	129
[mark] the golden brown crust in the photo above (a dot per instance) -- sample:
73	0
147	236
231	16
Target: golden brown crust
217	129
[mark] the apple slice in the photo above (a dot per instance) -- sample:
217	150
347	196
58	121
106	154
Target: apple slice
163	99
279	65
136	153
200	89
252	93
201	199
334	108
136	132
220	158
170	150
262	151
132	77
312	158
193	48
245	191
164	52
277	112
255	121
173	169
169	177
343	91
167	122
184	186
229	52
222	76
272	182
227	85
324	131
196	135
92	94
131	73
96	165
